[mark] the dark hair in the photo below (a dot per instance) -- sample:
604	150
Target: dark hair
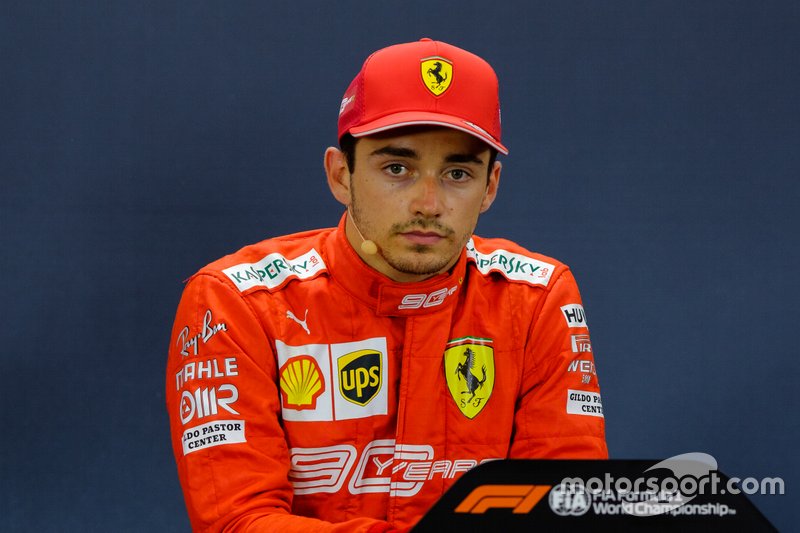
347	144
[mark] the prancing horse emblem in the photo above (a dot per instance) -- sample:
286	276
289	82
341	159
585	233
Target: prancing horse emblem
437	74
469	372
465	369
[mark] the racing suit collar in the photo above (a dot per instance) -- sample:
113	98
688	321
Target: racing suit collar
385	296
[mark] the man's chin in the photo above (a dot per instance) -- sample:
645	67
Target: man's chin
422	249
419	263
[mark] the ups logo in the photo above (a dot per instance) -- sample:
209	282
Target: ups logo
360	376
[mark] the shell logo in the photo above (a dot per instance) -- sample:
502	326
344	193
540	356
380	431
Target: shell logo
301	382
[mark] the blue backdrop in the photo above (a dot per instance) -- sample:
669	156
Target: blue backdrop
654	148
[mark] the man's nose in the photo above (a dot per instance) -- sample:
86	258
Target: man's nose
427	200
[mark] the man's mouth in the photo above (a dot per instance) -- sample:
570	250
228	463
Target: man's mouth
422	237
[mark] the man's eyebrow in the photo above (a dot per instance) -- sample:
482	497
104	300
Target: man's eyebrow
396	151
463	158
409	153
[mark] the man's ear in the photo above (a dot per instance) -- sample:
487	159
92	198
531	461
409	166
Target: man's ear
338	174
492	186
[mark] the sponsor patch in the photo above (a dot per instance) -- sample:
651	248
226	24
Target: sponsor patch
208	369
333	382
582	365
581	344
302	323
207	401
581	402
369	355
360	376
513	266
275	269
346	101
212	434
469	371
574	315
585	367
301	382
189	345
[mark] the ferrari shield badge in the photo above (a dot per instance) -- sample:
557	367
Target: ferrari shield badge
437	74
469	370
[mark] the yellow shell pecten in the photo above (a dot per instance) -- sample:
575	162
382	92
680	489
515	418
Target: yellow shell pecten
301	383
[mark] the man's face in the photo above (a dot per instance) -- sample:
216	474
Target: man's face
417	194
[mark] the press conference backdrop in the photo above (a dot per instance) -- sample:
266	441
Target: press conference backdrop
654	148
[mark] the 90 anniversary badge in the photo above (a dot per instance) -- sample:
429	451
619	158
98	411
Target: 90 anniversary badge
469	370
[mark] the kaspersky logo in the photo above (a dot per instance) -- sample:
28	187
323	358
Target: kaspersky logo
520	498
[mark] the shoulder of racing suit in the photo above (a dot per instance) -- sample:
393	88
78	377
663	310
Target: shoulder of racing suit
511	262
272	263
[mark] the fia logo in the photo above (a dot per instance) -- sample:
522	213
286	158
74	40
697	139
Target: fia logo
569	499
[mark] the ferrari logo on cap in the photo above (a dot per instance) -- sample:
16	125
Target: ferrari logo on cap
437	74
469	371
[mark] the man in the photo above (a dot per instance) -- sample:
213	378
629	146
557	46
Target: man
342	379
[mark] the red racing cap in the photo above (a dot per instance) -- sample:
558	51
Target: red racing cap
423	83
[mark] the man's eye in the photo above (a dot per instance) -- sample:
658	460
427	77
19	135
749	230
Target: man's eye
458	174
396	169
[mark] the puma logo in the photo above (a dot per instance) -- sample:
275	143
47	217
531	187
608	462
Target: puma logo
303	323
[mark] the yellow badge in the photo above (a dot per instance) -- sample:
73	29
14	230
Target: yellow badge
469	370
301	383
360	376
437	74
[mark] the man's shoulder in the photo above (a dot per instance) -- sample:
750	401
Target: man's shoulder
507	260
271	263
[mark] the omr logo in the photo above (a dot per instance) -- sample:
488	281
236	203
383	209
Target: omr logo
520	498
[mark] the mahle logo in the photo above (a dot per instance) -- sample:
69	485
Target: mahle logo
360	376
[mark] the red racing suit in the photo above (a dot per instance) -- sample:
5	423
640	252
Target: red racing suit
308	392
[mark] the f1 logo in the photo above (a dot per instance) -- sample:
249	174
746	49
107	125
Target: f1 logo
520	498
